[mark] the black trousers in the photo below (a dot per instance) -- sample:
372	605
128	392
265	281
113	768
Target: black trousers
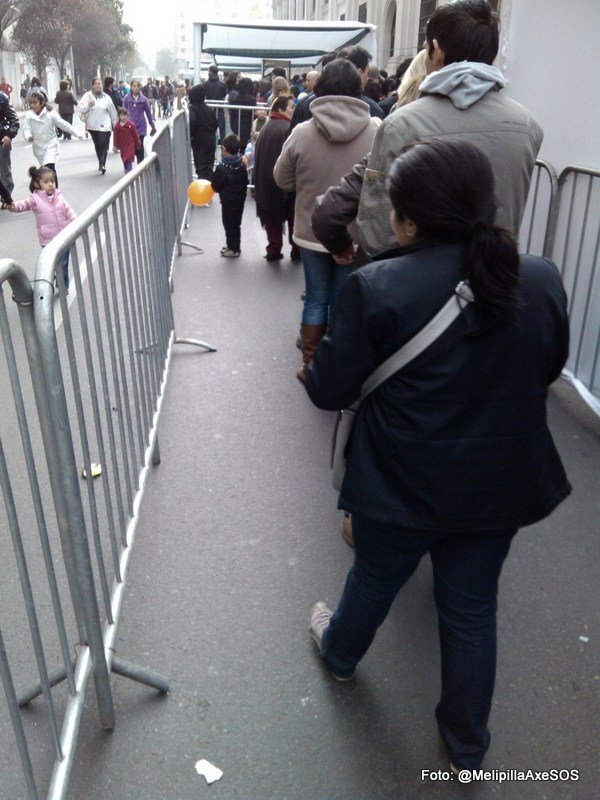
204	159
232	222
101	141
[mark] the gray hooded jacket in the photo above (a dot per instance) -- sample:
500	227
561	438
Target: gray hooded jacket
319	152
462	100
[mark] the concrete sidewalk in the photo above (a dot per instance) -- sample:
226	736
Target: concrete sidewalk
240	535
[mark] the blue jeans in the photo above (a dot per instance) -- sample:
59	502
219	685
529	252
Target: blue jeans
466	569
324	281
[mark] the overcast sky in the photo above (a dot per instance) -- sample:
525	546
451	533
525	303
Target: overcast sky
152	29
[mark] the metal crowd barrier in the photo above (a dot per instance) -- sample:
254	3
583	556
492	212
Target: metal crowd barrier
86	375
576	245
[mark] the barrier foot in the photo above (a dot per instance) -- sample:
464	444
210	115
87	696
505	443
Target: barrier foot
196	342
156	453
55	676
145	676
193	246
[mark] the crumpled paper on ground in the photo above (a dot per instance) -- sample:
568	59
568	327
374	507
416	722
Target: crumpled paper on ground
210	772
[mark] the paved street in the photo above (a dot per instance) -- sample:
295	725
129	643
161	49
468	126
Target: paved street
240	535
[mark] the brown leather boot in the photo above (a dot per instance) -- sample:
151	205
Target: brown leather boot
311	335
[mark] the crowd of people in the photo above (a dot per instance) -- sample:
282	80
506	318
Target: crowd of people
397	200
398	195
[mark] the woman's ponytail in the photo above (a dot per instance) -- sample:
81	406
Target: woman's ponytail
493	273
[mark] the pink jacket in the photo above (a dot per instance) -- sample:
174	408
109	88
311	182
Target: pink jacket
52	213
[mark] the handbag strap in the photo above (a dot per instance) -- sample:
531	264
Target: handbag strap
443	319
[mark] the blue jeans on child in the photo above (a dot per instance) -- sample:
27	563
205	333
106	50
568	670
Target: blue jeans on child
324	281
466	569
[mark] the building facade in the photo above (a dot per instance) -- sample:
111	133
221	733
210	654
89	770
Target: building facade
400	23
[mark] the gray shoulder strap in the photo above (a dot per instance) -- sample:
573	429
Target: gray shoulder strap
421	341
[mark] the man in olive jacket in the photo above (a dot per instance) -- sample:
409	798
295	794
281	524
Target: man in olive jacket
461	97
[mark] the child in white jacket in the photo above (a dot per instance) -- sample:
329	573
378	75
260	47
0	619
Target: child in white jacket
39	127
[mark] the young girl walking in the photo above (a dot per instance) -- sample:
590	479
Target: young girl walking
52	212
126	139
39	128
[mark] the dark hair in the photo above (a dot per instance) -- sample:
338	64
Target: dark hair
63	85
328	58
36	173
42	97
213	69
246	86
197	94
402	67
466	30
295	91
357	55
122	110
373	89
232	144
281	102
340	77
279	71
108	82
35	82
446	187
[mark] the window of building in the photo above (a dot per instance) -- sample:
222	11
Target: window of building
362	12
393	35
426	10
342	17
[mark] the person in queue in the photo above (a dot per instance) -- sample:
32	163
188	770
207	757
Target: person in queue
273	206
314	157
451	455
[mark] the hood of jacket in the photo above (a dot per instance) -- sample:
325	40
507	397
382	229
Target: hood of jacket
464	82
340	119
232	162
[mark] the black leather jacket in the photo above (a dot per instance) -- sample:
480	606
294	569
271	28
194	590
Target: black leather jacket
9	122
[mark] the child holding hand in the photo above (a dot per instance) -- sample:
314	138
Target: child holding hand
52	212
126	139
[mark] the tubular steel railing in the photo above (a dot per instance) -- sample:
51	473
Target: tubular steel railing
575	249
79	444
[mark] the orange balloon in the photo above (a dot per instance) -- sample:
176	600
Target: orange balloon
200	192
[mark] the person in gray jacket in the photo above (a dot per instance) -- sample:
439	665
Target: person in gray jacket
460	97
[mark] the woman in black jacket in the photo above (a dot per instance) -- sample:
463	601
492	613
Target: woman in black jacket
203	126
452	454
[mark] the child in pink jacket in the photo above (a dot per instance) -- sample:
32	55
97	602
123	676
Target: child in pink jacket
52	212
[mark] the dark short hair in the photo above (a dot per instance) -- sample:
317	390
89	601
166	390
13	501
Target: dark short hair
466	30
328	58
232	144
246	86
279	71
63	85
357	55
214	69
280	103
340	77
197	94
108	82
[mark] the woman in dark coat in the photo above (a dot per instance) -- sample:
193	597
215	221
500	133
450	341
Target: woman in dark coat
66	105
203	126
273	205
451	455
241	121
